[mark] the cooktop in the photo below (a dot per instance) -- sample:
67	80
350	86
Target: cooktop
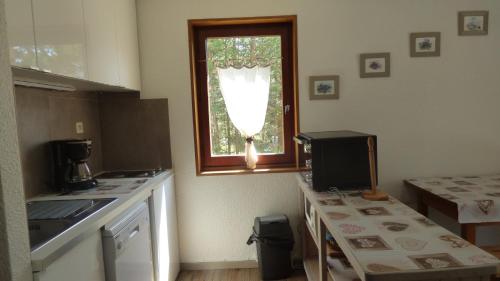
129	174
111	186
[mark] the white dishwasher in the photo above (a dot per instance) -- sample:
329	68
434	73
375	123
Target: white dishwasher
127	246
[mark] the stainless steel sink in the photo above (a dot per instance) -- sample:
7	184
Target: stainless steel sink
48	219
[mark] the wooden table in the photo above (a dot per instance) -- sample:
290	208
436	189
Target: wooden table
386	241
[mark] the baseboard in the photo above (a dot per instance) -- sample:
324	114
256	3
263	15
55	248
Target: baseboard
218	265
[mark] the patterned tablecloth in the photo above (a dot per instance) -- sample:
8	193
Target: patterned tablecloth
386	237
477	197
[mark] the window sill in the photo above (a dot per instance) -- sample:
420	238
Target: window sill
250	172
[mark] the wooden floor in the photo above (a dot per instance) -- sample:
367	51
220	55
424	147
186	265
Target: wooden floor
244	274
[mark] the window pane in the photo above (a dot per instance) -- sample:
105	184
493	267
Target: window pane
224	137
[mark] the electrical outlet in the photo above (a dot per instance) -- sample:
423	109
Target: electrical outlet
79	127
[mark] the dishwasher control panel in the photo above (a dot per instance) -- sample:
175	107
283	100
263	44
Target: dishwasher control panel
130	232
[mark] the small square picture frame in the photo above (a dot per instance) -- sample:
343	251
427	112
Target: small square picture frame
473	23
325	87
425	44
373	65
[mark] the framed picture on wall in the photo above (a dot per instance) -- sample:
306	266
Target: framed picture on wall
324	87
473	23
375	65
425	44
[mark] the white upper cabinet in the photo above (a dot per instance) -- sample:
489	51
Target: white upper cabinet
20	33
87	39
128	44
100	28
60	37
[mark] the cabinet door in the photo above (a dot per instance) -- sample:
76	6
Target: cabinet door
82	263
164	231
60	37
173	239
102	56
20	33
128	44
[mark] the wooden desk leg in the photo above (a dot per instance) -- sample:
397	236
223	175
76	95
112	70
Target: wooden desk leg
468	231
323	270
422	207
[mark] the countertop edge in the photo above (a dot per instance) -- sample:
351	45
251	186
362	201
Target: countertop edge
42	257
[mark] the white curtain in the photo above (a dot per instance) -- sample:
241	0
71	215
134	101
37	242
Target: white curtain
246	93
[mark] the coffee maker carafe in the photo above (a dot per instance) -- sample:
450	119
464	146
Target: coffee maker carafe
71	171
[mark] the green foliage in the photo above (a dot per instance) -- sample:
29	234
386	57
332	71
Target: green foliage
223	52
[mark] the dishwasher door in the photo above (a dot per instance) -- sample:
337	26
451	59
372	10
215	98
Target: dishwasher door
127	247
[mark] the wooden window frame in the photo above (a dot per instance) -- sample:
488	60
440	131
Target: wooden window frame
199	30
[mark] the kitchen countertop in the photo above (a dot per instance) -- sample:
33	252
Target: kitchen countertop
44	255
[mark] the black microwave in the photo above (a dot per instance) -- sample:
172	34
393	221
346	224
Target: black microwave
336	159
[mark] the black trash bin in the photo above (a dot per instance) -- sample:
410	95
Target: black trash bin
274	239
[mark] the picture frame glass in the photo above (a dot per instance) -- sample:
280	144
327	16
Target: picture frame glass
375	65
324	88
473	23
425	44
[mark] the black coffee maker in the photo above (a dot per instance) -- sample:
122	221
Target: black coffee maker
70	169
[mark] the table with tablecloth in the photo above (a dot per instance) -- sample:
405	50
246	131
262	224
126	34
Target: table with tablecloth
477	198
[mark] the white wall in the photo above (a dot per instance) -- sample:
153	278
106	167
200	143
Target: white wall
434	116
15	263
